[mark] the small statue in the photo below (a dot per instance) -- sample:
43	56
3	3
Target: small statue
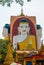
9	58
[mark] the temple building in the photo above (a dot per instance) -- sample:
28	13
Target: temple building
24	33
25	36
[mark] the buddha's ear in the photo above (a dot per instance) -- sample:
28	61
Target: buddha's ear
29	28
18	28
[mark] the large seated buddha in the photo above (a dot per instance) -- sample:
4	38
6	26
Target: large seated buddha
24	41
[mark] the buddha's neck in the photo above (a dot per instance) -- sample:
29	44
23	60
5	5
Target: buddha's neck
24	34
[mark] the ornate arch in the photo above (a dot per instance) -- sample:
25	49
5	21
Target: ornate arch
31	24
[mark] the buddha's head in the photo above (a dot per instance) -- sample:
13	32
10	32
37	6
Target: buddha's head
23	27
6	30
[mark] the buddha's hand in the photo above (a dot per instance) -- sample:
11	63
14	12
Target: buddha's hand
13	63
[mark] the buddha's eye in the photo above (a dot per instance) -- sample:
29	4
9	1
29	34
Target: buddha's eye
21	26
26	26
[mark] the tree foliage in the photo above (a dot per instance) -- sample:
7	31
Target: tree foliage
9	2
3	49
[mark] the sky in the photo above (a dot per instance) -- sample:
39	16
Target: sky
33	8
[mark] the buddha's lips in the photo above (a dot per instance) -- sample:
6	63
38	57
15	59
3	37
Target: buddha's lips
24	30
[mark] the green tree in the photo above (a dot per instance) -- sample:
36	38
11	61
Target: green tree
9	2
3	49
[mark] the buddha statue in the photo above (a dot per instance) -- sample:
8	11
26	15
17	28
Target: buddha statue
24	41
6	32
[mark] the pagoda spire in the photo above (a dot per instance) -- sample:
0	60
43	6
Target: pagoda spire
22	12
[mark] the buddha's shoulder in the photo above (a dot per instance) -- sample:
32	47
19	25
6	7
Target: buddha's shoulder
31	36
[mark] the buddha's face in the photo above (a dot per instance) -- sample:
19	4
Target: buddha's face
5	32
23	28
